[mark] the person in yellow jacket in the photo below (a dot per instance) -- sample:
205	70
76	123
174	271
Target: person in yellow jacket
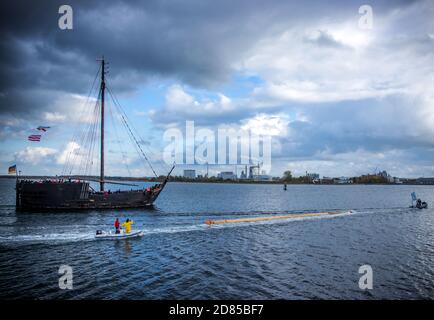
127	225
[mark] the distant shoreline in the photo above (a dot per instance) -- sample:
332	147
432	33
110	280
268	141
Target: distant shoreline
145	179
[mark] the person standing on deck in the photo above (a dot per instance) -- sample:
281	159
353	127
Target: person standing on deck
117	226
127	225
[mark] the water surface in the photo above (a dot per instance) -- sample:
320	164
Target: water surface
179	257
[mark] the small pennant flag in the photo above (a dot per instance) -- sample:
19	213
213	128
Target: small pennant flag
34	137
41	128
13	169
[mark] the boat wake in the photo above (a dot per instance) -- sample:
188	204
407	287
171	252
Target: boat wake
248	220
43	238
89	235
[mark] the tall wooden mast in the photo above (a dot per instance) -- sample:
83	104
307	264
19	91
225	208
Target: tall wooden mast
102	124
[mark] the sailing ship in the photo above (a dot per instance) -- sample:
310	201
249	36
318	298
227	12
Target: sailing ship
65	192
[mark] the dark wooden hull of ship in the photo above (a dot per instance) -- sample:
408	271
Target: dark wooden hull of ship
33	195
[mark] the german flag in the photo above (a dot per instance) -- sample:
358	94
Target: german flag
12	169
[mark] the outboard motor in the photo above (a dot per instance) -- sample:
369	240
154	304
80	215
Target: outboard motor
421	204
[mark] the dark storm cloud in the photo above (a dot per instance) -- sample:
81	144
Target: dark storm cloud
196	42
192	41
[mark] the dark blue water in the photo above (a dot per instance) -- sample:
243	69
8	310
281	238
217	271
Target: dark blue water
179	257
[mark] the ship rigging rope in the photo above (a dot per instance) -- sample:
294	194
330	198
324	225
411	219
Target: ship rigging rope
75	137
83	143
131	138
87	159
68	164
164	166
91	156
123	153
123	116
129	135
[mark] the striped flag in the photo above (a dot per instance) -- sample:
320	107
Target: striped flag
34	137
12	169
41	128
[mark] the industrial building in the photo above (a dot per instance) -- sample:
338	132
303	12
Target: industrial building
227	175
191	174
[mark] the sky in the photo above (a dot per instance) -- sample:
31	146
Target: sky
337	98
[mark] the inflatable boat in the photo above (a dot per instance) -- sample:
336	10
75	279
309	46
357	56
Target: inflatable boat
111	235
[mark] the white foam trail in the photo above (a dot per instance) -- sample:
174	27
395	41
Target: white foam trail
187	228
47	237
80	236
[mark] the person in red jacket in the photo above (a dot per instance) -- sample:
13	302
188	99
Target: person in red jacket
117	226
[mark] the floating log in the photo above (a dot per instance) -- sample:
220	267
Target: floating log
287	216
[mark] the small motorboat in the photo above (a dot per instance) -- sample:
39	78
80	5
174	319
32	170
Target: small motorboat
111	235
